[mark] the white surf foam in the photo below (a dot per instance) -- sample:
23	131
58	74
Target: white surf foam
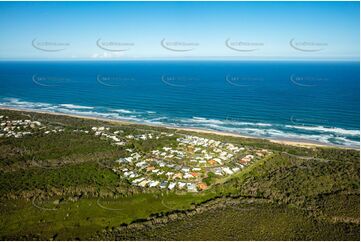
73	106
319	133
326	129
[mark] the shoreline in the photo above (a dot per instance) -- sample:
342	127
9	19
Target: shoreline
298	143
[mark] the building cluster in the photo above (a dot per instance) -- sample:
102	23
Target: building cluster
21	128
114	137
18	128
185	166
117	137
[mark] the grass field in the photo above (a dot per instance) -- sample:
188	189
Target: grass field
247	222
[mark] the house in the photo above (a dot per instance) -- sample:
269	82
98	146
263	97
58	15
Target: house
121	160
135	181
218	161
181	185
212	162
227	170
217	150
141	164
143	183
202	186
259	154
163	184
172	185
150	168
114	138
236	169
136	156
218	171
128	159
155	152
177	176
223	158
185	169
153	183
187	175
191	187
131	174
169	173
246	159
207	156
194	174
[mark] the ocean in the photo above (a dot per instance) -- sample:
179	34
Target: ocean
291	100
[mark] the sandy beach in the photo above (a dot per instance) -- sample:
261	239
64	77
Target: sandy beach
299	143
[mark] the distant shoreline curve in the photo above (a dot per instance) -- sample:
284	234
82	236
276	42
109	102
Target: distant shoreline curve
292	142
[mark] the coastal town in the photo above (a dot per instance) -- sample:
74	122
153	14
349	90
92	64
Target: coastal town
190	164
20	128
73	168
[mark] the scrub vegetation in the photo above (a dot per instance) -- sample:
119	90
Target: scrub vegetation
61	185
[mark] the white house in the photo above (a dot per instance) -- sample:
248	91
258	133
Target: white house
172	185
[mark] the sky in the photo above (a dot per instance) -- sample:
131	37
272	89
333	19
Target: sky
179	30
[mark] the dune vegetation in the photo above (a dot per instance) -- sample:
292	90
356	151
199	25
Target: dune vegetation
58	182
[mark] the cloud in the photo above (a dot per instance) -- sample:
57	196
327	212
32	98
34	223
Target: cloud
107	55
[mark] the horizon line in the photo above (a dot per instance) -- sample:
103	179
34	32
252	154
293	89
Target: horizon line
188	59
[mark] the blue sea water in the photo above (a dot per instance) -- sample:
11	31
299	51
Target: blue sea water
315	101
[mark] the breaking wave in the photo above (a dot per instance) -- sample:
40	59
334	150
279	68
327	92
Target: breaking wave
316	133
72	106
